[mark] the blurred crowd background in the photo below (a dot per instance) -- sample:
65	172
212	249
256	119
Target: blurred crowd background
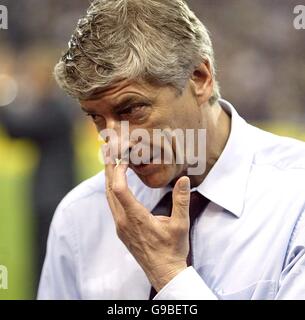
47	146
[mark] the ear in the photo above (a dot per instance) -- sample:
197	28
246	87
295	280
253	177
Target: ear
202	82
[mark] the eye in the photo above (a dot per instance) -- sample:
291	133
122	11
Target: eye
98	120
136	110
92	116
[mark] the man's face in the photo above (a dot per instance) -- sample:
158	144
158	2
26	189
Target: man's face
147	107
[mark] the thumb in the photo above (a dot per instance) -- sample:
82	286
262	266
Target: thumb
181	199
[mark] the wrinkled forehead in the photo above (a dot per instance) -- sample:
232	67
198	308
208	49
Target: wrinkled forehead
113	94
119	92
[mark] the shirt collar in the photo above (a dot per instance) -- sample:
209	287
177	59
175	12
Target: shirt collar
226	182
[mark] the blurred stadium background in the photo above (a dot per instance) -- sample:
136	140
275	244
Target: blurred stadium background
261	69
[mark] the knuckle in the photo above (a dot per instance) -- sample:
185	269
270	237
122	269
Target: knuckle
183	200
108	188
108	196
184	192
121	226
118	188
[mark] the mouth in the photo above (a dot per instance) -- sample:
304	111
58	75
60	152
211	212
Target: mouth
144	168
149	167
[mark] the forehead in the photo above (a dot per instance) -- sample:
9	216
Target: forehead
121	90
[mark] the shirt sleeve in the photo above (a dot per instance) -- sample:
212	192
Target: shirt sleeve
187	285
292	280
59	277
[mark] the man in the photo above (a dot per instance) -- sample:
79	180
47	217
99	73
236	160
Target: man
150	63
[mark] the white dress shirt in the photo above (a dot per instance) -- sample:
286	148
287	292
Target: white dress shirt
248	244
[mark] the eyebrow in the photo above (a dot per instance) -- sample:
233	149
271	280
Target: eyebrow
85	110
130	100
125	102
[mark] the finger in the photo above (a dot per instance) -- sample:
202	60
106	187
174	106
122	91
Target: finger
109	168
181	199
121	190
113	202
109	176
109	193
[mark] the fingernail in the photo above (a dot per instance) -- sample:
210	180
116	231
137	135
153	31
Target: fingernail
118	162
184	184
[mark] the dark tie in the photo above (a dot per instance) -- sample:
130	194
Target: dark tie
164	207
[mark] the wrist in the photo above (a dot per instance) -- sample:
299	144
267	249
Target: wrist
164	274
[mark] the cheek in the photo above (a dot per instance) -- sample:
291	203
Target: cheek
163	176
163	117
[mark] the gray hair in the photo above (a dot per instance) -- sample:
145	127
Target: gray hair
158	41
